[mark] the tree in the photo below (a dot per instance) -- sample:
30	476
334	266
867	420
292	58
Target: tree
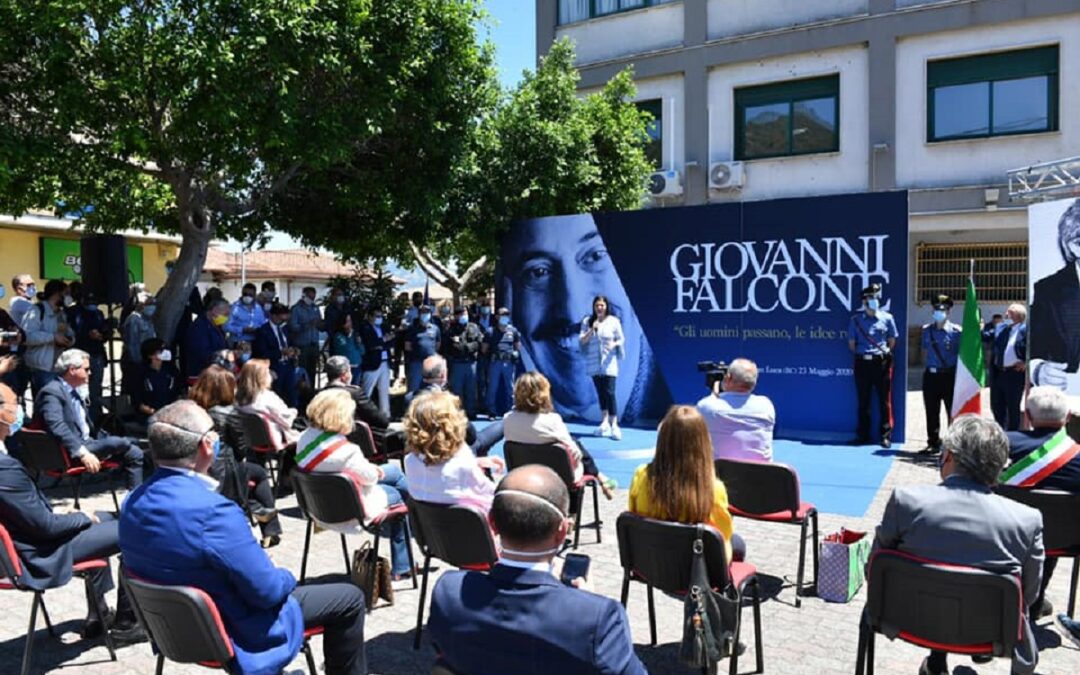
544	151
219	118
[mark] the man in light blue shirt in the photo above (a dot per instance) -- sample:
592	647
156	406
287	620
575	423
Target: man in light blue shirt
740	422
246	317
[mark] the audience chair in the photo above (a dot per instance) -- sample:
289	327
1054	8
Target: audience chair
557	457
43	454
260	441
1061	529
184	624
456	534
364	438
770	492
659	554
11	573
940	606
334	498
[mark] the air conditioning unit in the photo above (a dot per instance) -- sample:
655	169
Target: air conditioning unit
665	184
726	175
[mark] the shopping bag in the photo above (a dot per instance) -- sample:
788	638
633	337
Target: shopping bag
842	562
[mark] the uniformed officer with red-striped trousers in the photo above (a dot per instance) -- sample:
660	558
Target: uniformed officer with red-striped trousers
871	338
941	349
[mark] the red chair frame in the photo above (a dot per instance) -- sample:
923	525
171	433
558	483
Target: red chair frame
43	454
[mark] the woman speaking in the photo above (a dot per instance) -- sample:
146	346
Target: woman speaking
602	341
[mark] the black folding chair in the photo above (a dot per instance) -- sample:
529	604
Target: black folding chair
11	578
769	492
1061	528
659	554
456	534
43	454
334	498
557	457
261	442
363	436
940	606
185	626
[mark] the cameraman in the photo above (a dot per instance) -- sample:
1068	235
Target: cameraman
740	421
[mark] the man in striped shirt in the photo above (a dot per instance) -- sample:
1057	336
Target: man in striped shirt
1045	457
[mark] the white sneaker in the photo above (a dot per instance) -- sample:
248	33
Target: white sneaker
604	430
616	432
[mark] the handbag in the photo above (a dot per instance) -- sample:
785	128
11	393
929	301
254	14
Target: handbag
842	557
372	574
709	618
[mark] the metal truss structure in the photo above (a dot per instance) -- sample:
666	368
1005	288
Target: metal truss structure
1049	180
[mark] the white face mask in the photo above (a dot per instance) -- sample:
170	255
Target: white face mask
548	505
165	355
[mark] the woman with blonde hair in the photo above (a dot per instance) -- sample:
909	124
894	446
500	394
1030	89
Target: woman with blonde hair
440	465
254	395
680	484
324	447
534	420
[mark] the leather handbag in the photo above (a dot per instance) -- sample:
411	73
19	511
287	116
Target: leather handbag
709	618
372	574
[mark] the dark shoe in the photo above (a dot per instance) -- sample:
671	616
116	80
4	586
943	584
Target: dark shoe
924	669
271	541
92	628
1070	628
128	635
982	658
930	450
263	514
1042	610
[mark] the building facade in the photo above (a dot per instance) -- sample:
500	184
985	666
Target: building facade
761	99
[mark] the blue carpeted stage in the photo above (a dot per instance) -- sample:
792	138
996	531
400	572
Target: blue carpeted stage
839	479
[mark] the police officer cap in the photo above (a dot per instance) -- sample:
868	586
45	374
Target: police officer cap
943	302
871	290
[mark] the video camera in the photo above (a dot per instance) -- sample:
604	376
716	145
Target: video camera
715	371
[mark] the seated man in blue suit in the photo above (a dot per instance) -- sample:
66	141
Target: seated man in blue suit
270	342
519	618
176	529
61	410
205	337
49	543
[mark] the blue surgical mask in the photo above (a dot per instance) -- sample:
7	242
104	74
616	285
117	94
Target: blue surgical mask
1006	322
485	310
217	448
378	321
3	291
245	357
425	317
939	315
15	426
873	303
31	291
463	319
92	308
504	321
149	310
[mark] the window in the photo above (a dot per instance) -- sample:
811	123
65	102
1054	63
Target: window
788	118
1000	271
992	95
654	151
571	11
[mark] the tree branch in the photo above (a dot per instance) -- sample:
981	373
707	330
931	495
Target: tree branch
423	255
230	207
146	167
473	269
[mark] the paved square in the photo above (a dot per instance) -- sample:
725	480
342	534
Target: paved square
818	638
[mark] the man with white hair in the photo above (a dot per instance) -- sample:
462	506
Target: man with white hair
61	409
1045	457
1008	361
740	421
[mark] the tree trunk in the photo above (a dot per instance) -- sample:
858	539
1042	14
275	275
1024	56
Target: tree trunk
196	230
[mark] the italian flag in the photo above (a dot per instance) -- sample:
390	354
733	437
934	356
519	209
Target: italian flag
970	369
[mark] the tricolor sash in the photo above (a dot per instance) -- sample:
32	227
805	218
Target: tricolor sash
319	449
1057	451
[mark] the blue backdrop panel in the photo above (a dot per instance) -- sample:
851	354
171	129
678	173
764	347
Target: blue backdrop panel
774	281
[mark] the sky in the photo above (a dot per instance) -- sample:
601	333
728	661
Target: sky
513	30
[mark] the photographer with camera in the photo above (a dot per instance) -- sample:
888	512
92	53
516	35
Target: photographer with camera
740	422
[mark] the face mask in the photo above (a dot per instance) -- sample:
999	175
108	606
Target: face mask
149	311
308	300
84	391
30	291
378	321
3	292
424	318
165	355
339	299
485	310
873	304
1006	322
221	319
939	316
247	300
267	306
20	417
68	301
92	308
504	321
245	357
444	312
217	448
463	319
410	314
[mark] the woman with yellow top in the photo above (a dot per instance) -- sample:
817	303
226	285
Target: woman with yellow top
680	484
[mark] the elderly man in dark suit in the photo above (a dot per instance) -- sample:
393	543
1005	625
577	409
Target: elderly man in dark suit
1055	310
962	521
387	434
520	618
61	409
1009	362
49	543
271	342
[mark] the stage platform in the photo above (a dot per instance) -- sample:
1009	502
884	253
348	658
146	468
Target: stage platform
839	479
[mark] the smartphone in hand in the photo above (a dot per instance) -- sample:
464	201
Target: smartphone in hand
576	565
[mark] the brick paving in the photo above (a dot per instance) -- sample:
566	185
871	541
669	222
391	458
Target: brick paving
818	638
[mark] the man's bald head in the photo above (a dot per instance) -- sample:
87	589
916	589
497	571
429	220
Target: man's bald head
521	516
433	369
